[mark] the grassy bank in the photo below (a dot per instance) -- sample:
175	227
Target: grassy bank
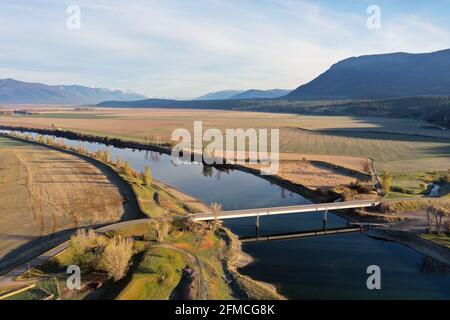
440	239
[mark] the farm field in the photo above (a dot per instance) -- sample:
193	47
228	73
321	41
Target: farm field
403	146
47	193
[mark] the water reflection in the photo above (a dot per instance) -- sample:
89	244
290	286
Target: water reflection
430	266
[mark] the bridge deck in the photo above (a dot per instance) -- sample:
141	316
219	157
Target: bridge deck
285	210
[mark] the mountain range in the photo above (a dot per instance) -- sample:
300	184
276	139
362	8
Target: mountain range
18	92
381	76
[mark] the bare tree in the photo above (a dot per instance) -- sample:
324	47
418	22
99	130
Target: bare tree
162	228
438	213
147	177
116	257
216	209
386	182
429	214
365	164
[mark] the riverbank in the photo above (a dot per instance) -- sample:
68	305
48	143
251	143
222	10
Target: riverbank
415	242
244	286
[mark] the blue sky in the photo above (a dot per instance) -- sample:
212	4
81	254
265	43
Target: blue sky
182	49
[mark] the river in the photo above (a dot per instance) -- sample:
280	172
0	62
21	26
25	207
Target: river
330	267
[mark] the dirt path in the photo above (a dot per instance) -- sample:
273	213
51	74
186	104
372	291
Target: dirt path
199	284
46	194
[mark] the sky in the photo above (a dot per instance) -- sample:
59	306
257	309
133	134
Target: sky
186	48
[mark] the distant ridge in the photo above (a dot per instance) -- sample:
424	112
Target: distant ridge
381	76
261	94
18	92
247	94
219	95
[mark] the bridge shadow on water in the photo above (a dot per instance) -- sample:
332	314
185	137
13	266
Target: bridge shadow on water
300	234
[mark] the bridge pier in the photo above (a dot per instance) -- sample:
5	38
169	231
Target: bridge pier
325	220
257	225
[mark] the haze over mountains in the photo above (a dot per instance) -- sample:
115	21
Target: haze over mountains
261	94
219	95
18	92
381	76
245	94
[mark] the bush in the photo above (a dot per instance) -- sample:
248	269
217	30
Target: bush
86	248
384	207
365	188
442	178
402	190
355	185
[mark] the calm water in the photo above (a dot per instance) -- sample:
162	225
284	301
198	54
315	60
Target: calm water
330	267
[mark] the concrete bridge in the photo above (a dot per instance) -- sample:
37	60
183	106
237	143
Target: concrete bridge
259	212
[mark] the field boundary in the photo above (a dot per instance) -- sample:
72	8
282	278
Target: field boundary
325	131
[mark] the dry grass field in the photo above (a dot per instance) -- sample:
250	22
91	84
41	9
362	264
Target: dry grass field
402	146
315	176
44	192
397	144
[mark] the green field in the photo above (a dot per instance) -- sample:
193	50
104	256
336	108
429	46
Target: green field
156	276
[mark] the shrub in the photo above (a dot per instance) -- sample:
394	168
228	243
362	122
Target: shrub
86	248
365	188
401	190
384	207
355	185
442	177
